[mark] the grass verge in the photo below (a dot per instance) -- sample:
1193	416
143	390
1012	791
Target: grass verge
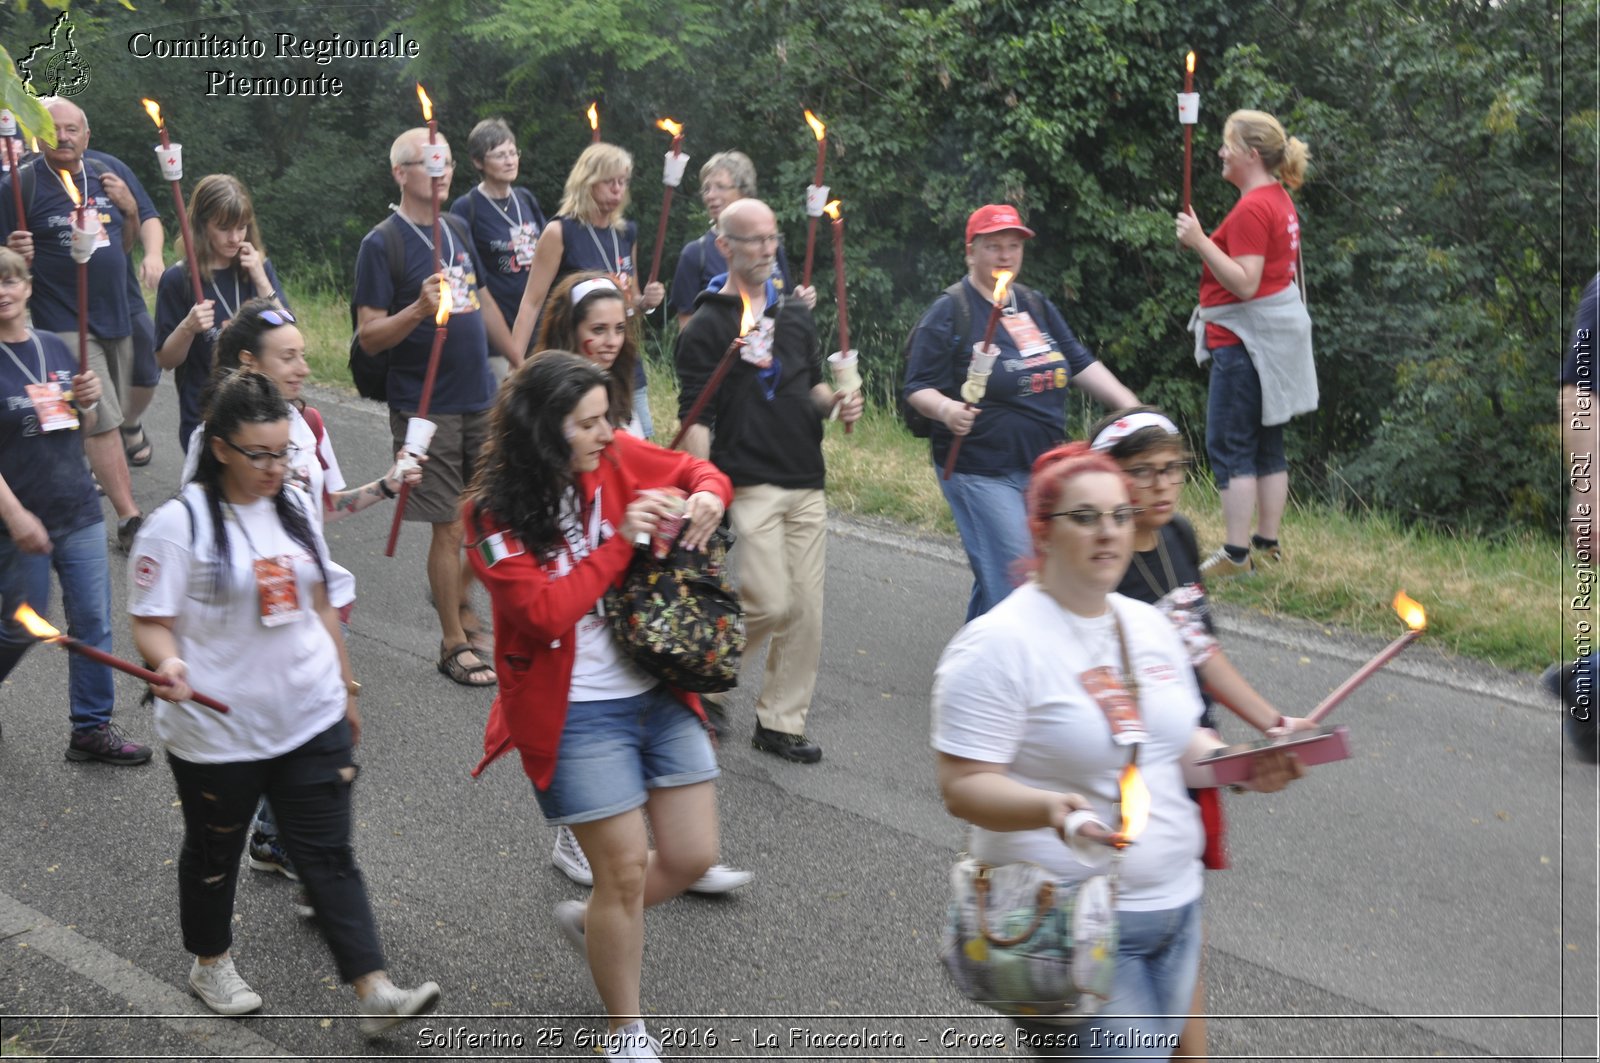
1497	602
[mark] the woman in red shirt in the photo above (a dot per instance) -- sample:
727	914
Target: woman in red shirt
552	517
1250	258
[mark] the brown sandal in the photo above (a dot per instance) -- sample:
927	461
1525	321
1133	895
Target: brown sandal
468	675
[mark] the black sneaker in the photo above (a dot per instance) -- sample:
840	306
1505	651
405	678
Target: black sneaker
797	748
267	854
106	743
126	530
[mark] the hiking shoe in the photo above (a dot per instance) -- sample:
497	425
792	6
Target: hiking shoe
1272	555
797	748
568	856
267	854
127	529
388	1006
720	878
106	743
221	988
569	918
633	1041
1220	566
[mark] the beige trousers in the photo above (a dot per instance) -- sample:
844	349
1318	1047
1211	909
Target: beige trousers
779	556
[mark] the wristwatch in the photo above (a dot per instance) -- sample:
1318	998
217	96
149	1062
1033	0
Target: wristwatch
353	689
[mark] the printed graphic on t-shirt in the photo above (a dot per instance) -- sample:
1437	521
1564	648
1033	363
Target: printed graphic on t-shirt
1186	607
463	281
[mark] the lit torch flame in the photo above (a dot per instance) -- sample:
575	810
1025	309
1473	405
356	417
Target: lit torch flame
832	209
594	116
670	126
427	104
154	110
72	189
1135	803
1002	281
746	320
442	315
36	625
1410	611
817	128
1188	62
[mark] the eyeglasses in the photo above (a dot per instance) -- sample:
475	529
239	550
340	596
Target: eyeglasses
775	239
263	460
1090	518
718	186
503	155
273	316
1173	472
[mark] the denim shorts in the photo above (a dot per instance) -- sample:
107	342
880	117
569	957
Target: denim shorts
613	751
1237	443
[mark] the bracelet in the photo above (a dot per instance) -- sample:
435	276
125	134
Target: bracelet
383	485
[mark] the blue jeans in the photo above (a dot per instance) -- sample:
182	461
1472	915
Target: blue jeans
641	410
79	559
992	516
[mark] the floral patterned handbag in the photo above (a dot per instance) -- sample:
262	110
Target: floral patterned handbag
679	618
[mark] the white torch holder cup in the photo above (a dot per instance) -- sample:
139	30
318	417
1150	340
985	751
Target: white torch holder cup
1089	852
1188	108
8	124
816	199
171	159
419	434
84	237
846	377
672	167
433	159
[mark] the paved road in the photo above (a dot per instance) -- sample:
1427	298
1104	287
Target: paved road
1432	897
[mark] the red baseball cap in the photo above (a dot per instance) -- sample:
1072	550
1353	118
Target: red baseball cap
994	218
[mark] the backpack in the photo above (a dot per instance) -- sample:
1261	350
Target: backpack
370	372
915	422
679	619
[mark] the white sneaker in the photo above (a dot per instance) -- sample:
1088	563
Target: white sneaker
633	1042
720	878
569	917
389	1005
222	989
568	856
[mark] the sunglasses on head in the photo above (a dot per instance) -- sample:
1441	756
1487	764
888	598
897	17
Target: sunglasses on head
274	316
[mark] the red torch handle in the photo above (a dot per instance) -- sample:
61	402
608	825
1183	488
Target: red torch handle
83	649
1384	656
988	337
811	249
839	296
83	319
423	404
1188	161
16	183
661	236
399	513
188	243
706	392
438	248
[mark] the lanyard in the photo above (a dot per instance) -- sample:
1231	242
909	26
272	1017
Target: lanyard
449	240
1166	567
515	203
217	287
39	350
616	248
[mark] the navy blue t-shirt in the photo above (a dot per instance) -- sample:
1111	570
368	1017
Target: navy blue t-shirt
609	249
147	210
228	289
55	275
700	261
45	470
465	383
1578	366
1023	413
495	227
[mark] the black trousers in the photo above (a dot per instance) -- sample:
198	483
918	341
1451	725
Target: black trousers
310	790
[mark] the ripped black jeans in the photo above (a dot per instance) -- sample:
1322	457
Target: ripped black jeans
310	790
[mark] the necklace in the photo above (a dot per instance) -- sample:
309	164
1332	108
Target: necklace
1162	590
38	348
1093	633
512	199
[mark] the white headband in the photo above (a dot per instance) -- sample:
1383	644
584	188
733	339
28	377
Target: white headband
1123	427
580	292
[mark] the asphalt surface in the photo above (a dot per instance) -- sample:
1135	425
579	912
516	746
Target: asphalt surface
1432	897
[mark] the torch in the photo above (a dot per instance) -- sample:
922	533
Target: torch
170	156
842	363
414	431
433	163
816	193
746	323
39	629
1188	115
8	129
593	114
1133	809
1416	619
982	363
85	233
671	176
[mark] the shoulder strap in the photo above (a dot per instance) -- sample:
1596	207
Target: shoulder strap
1185	532
963	312
27	177
472	207
190	511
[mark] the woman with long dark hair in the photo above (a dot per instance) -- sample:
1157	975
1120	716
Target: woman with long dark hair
228	592
551	520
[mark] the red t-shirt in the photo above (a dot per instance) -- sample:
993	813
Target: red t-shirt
1263	222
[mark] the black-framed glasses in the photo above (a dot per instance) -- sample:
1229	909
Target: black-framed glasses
1173	472
1089	518
275	316
263	460
775	239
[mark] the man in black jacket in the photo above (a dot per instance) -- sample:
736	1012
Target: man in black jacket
763	428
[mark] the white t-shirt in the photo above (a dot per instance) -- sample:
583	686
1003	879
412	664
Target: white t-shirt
283	683
307	474
600	670
1007	691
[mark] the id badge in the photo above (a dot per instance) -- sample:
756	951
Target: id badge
1122	713
757	349
460	290
277	591
104	239
51	408
1025	334
523	240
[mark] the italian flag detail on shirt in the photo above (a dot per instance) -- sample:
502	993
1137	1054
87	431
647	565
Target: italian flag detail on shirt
498	547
